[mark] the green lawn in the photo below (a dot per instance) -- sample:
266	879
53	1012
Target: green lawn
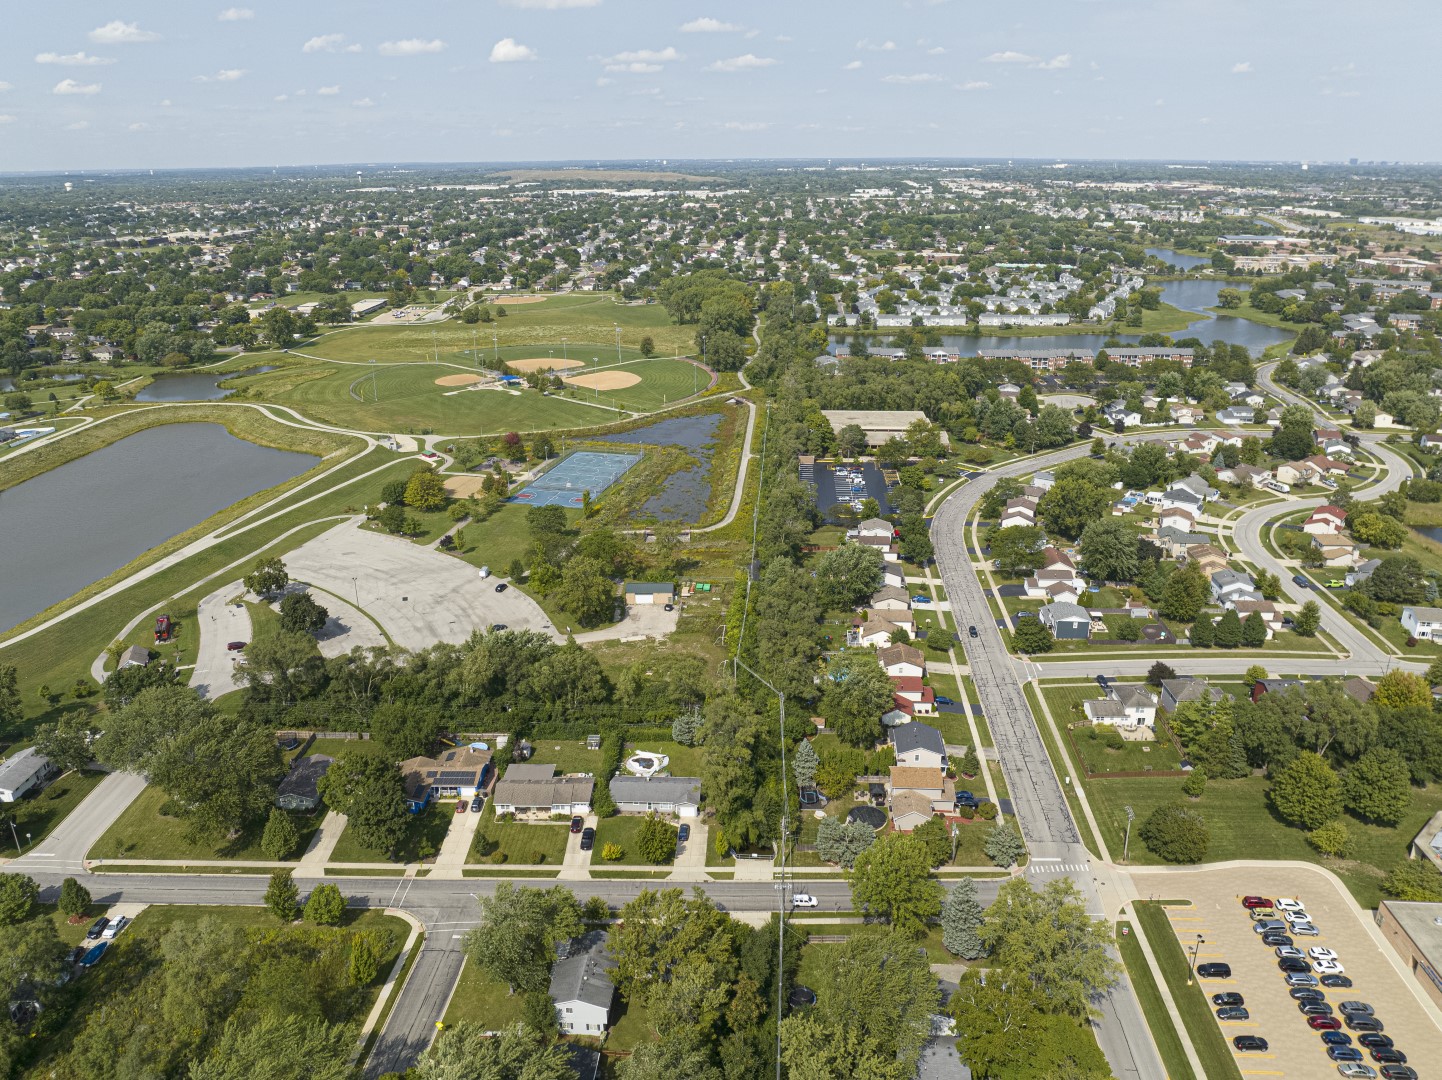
482	1001
36	814
1206	1036
425	831
502	537
1164	1032
336	747
143	832
519	842
568	757
623	830
1065	703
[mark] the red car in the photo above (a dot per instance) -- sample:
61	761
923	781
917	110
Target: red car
461	806
1323	1023
1255	902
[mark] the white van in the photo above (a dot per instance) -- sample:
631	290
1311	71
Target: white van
485	572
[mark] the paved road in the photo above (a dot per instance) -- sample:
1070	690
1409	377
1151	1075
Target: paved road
63	851
220	623
1036	794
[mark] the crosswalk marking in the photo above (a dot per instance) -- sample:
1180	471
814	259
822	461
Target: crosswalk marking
1058	868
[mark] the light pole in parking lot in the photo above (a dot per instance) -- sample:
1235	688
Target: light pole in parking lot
1131	814
1192	968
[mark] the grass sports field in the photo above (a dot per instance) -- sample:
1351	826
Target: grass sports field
407	397
587	322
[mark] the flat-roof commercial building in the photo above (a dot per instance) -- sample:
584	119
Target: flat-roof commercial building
879	425
1415	931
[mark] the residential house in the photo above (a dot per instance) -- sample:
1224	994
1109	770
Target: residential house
910	809
135	656
912	697
902	660
1424	623
906	788
1066	620
1430	442
300	789
22	773
1243	474
1328	467
1359	689
1175	543
537	790
581	985
1182	498
1044	479
1237	414
919	745
876	527
1131	709
890	598
1270	614
1298	472
874	633
1178	691
903	617
892	574
1271	686
1197	486
1230	585
1361	572
1198	443
1208	557
1177	517
1338	549
1187	414
1119	412
888	551
1325	520
675	795
461	772
1018	512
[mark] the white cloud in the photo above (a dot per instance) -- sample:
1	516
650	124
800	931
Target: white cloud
1242	67
707	25
552	5
635	68
885	46
139	127
328	91
236	14
165	103
974	84
411	47
1056	63
920	77
935	50
745	125
122	33
5	118
281	97
70	86
323	43
228	75
79	125
78	59
363	103
853	66
747	62
6	86
645	56
510	51
603	81
1010	56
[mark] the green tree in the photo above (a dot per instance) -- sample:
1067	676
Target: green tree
467	1051
74	898
1254	631
1378	787
300	614
848	575
1402	690
840	842
11	711
425	490
857	693
1003	846
1414	879
18	896
1047	940
1109	550
655	840
1293	438
1017	549
1195	783
1229	629
1186	591
267	577
804	763
515	941
686	728
282	897
325	906
851	441
1376	530
1331	839
1007	1030
1398	579
278	1048
1307	792
1032	636
586	591
1176	834
280	837
937	838
1072	503
1307	620
892	879
370	792
66	742
961	918
1160	672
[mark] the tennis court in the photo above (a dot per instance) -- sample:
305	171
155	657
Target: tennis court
585	470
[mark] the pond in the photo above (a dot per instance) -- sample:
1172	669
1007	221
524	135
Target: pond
1177	259
75	524
688	491
195	385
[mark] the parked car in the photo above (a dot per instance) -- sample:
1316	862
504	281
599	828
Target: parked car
683	833
93	955
117	924
1336	1038
1328	967
1362	1022
1356	1069
1398	1072
1250	1043
1374	1039
1301	582
1286	903
1358	1007
1336	982
496	628
1288	951
668	607
93	934
802	899
1300	978
1229	998
1214	971
1305	929
1327	1024
588	839
501	587
919	599
1296	916
942	699
1306	993
1314	1008
1255	902
460	806
577	824
1387	1055
1264	914
478	804
1276	940
1292	966
1344	1053
966	798
1233	1012
235	646
1269	926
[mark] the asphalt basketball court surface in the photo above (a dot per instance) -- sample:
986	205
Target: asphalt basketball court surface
585	470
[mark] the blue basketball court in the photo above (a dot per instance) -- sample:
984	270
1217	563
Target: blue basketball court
585	470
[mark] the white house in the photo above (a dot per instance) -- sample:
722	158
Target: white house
1325	520
1422	622
902	660
1177	517
24	772
1231	585
876	527
1269	613
1126	707
581	985
872	634
678	795
890	598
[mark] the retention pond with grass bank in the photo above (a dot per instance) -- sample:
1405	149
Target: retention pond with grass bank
195	385
73	525
687	492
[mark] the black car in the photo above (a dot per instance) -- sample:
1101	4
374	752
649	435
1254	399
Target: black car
1314	1008
1398	1072
477	804
1255	1043
1387	1055
1337	982
683	834
1361	1022
1306	993
1233	1012
1229	998
1214	971
1276	940
668	607
1336	1038
96	928
971	630
501	587
588	839
496	628
1289	964
1374	1040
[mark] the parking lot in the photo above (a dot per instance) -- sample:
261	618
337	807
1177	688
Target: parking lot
1225	930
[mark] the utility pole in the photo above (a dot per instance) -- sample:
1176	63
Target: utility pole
1127	842
618	343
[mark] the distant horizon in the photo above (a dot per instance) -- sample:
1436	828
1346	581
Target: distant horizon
139	84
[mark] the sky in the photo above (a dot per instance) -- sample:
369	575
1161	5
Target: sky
105	84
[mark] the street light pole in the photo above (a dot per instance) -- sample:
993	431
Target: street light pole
1192	968
13	833
1127	842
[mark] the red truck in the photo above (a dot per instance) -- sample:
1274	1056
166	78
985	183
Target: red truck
162	628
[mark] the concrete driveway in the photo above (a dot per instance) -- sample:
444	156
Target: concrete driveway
690	862
418	595
641	621
220	623
576	864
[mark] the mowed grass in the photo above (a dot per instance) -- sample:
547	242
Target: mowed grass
36	814
583	322
143	832
426	829
625	831
483	1001
520	842
1164	1032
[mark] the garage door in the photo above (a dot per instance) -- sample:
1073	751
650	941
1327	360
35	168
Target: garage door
646	598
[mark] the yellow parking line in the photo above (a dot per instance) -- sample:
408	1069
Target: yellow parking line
1263	1072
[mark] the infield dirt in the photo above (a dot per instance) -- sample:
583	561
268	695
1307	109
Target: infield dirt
543	363
605	380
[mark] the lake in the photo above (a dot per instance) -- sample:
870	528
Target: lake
73	525
1189	295
1177	259
195	385
687	492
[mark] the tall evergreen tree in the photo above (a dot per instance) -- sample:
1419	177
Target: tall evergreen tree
961	918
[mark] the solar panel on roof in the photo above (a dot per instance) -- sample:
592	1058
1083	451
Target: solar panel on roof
465	777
